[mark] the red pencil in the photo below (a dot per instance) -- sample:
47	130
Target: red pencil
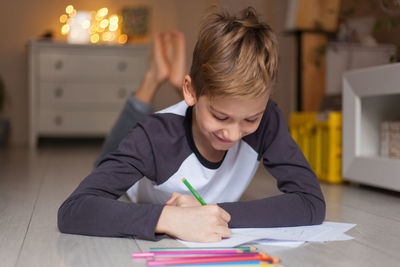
212	259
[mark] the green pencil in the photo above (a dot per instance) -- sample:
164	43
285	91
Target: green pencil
195	194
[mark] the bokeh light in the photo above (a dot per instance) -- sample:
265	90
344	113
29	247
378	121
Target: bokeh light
69	9
63	18
103	28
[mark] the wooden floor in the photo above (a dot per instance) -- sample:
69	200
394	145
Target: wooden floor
34	184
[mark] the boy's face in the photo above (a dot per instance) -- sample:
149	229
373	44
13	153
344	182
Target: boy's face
221	121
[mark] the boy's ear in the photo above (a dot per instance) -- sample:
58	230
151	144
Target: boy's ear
188	91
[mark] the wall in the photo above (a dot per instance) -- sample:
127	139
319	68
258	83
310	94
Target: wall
23	20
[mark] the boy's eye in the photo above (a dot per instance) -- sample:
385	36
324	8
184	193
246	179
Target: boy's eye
252	120
220	118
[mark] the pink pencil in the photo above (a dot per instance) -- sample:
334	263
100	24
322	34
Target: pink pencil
186	252
214	256
212	259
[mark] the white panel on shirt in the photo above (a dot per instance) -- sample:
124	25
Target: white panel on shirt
179	108
225	184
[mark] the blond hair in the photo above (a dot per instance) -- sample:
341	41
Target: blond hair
234	56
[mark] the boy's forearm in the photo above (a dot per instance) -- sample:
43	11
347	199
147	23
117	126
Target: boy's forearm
94	209
162	225
291	209
99	216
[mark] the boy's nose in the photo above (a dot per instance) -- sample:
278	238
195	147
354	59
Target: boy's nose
233	134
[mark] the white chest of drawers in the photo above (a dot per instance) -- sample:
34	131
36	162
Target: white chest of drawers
79	90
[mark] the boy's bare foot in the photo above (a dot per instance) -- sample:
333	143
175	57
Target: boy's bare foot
157	73
159	66
175	56
167	62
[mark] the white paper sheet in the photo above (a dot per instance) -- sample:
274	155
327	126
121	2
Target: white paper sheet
328	231
278	243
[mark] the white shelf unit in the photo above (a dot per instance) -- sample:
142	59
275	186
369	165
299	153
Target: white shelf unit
79	90
370	96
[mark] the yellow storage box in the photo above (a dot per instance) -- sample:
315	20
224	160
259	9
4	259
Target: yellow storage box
319	136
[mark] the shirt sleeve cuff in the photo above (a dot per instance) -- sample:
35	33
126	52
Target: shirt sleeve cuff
139	105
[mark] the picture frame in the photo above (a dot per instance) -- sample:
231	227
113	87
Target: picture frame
136	22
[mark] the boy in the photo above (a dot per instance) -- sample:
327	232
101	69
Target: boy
216	139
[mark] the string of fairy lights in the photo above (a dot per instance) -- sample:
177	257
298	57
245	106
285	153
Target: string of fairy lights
101	26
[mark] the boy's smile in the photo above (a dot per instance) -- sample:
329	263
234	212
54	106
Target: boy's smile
220	122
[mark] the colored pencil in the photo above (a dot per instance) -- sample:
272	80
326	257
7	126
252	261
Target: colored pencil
194	192
234	264
240	264
206	256
247	249
205	263
184	252
212	259
218	257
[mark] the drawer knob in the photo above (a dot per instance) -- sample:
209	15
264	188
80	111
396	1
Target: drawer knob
58	120
58	92
122	92
58	65
122	66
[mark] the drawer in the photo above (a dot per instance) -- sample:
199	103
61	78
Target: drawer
76	123
79	90
51	94
72	66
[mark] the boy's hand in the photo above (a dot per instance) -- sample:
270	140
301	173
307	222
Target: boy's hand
182	200
200	224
